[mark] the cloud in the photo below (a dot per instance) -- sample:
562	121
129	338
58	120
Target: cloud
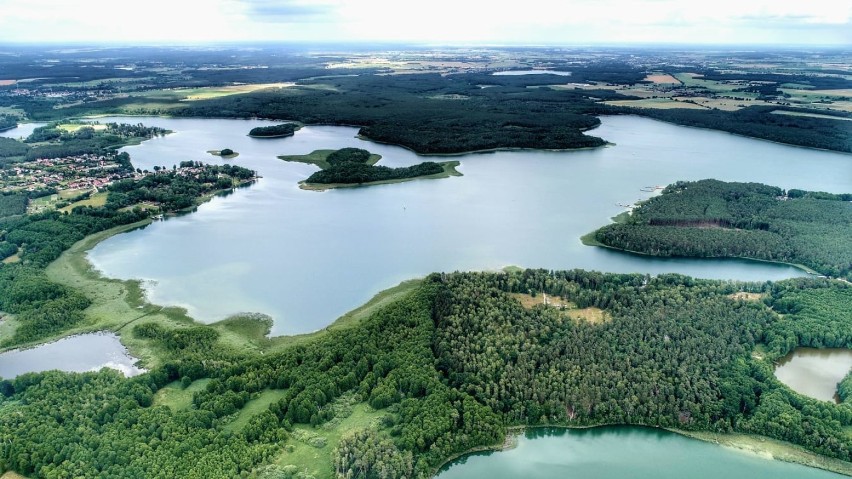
275	11
432	21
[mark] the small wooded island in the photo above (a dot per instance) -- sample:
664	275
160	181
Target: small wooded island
711	218
225	153
349	167
274	131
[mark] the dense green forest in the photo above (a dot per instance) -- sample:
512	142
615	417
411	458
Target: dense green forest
711	218
8	122
43	308
274	131
452	364
428	113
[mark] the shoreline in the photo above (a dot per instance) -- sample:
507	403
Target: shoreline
729	133
589	240
772	449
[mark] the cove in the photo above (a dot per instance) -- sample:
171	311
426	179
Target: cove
305	257
84	352
815	372
617	452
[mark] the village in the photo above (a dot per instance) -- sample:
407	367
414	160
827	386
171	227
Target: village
80	172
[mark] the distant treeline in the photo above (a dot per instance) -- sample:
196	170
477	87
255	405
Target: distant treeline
817	81
711	218
429	113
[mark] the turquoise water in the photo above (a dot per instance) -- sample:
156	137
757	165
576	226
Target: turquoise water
621	453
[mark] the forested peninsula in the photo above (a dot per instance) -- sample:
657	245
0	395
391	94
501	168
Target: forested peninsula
446	366
357	167
712	219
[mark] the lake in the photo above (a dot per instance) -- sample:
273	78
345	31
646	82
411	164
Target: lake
621	452
531	72
85	352
815	372
306	257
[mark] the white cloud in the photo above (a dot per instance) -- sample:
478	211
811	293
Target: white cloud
435	21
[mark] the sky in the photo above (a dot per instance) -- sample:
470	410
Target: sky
435	22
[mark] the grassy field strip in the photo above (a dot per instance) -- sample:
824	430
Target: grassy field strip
811	115
299	455
253	408
176	397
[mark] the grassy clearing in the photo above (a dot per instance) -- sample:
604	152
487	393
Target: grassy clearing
72	127
96	200
196	94
772	449
178	398
529	301
316	461
657	103
8	325
15	258
253	408
12	475
661	79
448	166
318	158
591	315
747	296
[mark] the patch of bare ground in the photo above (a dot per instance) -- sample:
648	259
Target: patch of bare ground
661	78
590	315
743	296
529	301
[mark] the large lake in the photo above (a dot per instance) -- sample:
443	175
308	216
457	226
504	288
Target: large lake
618	453
306	257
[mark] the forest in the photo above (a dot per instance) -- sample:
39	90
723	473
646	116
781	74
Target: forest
427	113
452	364
43	308
711	218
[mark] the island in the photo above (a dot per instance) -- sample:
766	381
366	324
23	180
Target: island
274	131
714	219
225	153
348	167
